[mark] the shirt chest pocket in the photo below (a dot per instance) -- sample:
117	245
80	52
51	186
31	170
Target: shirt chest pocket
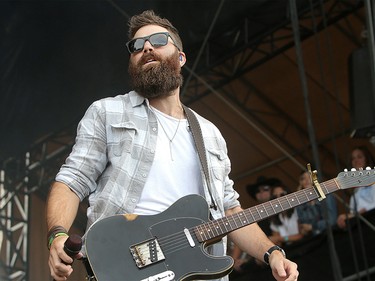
217	160
121	138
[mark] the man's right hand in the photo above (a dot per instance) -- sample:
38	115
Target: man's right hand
59	262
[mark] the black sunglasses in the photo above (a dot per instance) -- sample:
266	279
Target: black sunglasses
156	40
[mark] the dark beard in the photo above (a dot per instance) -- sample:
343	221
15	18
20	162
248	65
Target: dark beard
156	81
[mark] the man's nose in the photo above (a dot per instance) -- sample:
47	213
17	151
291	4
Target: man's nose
147	46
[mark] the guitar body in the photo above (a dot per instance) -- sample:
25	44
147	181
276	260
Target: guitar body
156	247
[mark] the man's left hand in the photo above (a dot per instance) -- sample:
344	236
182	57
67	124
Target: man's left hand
282	268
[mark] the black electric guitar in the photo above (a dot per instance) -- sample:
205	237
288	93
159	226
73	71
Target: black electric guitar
171	245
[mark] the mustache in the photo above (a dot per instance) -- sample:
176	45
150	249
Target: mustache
146	57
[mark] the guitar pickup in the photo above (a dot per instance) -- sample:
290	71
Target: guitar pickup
146	253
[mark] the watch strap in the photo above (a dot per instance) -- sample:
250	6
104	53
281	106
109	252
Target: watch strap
269	252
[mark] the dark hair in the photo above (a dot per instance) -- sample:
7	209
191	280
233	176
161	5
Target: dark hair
370	162
150	18
253	188
276	219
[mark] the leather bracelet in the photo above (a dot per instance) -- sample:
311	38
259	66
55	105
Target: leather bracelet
269	252
54	232
55	236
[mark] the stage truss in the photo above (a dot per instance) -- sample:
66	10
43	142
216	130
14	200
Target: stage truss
35	170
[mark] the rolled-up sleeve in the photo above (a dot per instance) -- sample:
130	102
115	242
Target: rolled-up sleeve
88	158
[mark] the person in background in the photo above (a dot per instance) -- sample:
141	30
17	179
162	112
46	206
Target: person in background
285	226
260	191
310	215
135	154
363	198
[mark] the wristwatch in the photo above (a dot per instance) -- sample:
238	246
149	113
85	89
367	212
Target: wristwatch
269	252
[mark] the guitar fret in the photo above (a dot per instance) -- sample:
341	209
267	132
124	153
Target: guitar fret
305	195
326	191
310	194
242	218
290	204
276	207
257	214
251	213
209	232
232	223
271	208
202	233
216	226
248	220
265	209
261	213
235	221
221	225
226	223
210	229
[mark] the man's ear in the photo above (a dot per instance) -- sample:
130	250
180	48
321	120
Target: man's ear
182	58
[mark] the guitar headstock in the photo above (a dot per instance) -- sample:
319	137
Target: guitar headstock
356	178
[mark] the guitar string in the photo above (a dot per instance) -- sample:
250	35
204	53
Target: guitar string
168	250
281	200
176	241
303	196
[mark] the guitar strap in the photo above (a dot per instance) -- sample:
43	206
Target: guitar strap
198	140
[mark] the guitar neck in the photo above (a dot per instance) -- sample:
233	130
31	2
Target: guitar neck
220	227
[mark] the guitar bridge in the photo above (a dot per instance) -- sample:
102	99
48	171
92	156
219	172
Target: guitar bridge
146	253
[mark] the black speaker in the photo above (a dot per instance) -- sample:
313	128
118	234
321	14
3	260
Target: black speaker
362	94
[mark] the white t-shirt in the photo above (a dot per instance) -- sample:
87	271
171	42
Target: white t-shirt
182	176
288	227
364	198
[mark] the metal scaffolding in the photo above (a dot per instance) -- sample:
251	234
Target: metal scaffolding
35	170
19	177
219	65
14	224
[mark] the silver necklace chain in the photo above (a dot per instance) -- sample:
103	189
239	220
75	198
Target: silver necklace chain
165	132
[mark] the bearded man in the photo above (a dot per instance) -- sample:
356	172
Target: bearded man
135	154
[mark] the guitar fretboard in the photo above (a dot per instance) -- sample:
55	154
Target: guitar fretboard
220	227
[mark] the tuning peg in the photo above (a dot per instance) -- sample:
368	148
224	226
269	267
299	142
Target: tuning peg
345	170
353	169
368	168
360	169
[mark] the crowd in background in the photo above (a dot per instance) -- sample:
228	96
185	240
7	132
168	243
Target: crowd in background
308	219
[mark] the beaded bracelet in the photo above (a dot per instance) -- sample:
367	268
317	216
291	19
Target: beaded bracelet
54	232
